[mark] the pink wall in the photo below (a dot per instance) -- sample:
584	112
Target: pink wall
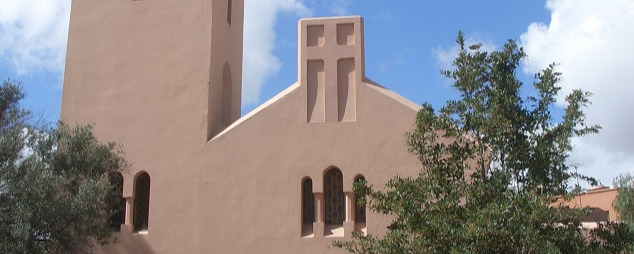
150	74
601	197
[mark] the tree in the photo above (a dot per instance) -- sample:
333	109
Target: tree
492	161
624	202
56	193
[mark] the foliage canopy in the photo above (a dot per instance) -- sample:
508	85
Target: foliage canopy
624	202
56	184
492	161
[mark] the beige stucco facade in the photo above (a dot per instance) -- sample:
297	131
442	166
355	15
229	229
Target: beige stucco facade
163	79
600	197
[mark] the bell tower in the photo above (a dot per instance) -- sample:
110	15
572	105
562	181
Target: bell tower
225	84
154	69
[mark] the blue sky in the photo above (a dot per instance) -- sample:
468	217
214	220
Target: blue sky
407	43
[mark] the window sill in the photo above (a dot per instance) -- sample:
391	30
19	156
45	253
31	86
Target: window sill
333	231
142	232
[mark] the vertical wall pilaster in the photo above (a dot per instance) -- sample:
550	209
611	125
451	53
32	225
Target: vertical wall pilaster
348	224
128	225
318	226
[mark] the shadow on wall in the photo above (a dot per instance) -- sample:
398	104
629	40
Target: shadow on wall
126	242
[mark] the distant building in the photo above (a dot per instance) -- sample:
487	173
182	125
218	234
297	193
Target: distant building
599	200
163	79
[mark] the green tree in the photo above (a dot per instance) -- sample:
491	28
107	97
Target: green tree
492	161
56	193
624	202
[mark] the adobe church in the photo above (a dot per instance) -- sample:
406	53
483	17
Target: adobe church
163	79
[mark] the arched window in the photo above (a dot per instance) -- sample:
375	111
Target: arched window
117	203
141	202
334	197
229	11
308	202
359	211
227	96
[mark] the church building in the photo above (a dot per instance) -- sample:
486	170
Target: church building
163	79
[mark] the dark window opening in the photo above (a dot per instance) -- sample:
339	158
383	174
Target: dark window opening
117	202
308	202
359	211
334	197
141	202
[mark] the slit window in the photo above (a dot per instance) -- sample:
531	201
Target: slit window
117	202
229	11
359	211
227	96
141	202
308	202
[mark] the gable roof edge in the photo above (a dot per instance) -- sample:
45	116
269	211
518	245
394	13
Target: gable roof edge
389	93
259	109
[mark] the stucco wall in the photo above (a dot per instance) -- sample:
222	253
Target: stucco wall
256	169
149	75
601	197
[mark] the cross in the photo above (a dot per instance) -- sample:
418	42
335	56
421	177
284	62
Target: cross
331	67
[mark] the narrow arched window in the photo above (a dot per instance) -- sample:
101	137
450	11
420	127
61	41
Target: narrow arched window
359	210
227	96
141	202
229	11
308	202
117	202
334	197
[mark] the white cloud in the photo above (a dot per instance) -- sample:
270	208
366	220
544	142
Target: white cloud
259	42
445	55
33	37
33	34
592	42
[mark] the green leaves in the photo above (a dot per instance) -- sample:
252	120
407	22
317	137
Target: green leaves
492	161
624	202
55	189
